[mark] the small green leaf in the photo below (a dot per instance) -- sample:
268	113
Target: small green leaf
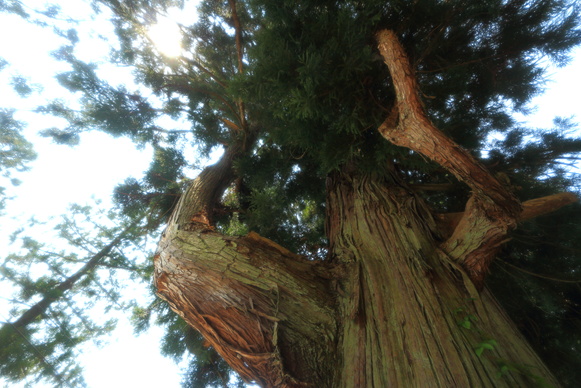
487	346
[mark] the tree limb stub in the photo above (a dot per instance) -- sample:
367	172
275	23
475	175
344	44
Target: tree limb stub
531	209
540	206
492	210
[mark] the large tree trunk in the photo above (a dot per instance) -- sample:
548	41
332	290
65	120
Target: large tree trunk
389	309
399	303
410	316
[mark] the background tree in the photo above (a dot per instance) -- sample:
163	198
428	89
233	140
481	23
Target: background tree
15	151
56	292
358	137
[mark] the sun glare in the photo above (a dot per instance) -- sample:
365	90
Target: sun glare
166	37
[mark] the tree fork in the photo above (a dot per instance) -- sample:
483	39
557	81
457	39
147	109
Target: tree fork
493	210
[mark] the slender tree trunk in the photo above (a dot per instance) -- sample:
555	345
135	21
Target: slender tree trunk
58	291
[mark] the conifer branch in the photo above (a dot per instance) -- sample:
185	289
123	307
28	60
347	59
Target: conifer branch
41	306
217	96
207	71
539	275
492	211
38	353
414	130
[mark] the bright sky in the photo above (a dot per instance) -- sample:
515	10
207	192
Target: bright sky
62	175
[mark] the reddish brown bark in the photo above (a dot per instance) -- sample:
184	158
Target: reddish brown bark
406	304
531	209
253	301
492	211
386	310
408	126
392	307
268	312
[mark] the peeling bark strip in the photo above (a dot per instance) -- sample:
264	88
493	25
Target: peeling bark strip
268	312
492	210
264	309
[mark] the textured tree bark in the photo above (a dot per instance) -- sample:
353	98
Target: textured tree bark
411	317
399	303
493	210
268	312
389	309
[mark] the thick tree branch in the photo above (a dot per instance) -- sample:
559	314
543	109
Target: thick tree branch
531	209
491	211
201	196
252	300
414	130
540	206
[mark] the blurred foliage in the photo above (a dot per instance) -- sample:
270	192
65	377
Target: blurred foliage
15	151
64	294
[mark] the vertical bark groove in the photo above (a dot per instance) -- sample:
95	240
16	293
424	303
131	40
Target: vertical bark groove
410	298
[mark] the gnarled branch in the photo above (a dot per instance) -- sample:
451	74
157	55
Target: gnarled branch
250	298
492	211
531	209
